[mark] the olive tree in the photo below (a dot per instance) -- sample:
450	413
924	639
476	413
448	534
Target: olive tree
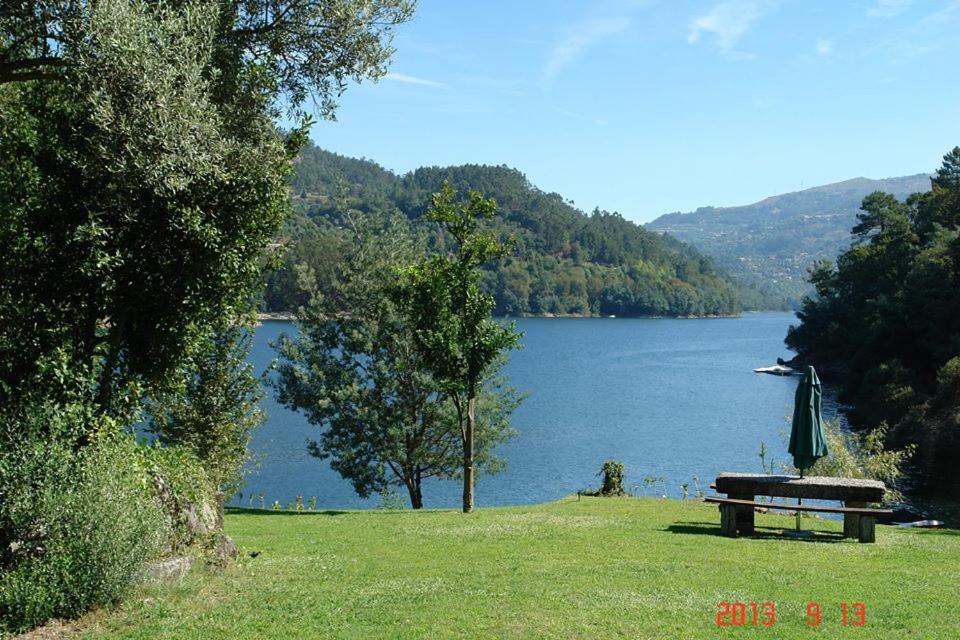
305	49
142	179
142	174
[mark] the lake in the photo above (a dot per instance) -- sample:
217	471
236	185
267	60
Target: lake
671	399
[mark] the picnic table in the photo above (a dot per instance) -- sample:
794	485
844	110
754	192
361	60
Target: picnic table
741	489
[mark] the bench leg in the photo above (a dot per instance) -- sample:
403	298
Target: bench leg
744	515
851	521
868	529
728	520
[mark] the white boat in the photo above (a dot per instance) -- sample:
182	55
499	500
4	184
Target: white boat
776	370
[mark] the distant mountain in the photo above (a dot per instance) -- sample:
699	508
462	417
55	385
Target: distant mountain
567	262
770	244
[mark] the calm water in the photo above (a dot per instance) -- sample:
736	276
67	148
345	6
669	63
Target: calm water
672	399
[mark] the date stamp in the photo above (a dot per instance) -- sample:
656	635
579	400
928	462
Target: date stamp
764	614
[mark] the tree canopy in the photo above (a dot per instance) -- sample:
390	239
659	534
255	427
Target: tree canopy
565	261
884	319
354	371
143	178
449	314
302	49
143	173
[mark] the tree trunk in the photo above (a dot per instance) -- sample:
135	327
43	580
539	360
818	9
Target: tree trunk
415	489
468	451
416	496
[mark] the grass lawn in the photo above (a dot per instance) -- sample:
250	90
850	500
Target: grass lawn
599	568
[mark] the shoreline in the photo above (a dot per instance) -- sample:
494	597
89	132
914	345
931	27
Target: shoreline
263	316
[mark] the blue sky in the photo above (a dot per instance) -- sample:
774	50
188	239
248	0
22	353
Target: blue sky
648	107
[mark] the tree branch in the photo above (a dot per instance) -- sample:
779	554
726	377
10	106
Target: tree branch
30	75
31	69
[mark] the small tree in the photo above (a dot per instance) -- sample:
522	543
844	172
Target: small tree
450	315
215	408
354	371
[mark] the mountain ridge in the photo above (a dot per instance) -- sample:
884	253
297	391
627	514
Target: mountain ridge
771	243
566	261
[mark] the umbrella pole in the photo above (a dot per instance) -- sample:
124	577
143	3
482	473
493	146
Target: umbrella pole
797	532
799	502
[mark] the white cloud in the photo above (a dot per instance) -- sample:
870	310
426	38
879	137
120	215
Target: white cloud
930	33
727	22
947	14
574	115
569	114
888	8
399	77
824	47
581	38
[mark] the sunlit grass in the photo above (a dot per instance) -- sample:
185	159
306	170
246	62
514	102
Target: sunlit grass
597	568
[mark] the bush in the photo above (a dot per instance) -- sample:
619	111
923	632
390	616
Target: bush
948	379
613	473
76	527
185	493
862	455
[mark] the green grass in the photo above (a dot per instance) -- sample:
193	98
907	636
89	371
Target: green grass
600	568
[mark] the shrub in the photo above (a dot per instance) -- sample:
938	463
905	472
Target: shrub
76	526
613	473
862	455
948	378
183	488
390	500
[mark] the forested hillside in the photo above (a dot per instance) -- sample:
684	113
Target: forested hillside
772	243
565	262
884	320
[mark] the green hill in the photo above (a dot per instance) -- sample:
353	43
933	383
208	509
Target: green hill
771	244
567	262
596	568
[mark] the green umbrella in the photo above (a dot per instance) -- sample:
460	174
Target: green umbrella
808	442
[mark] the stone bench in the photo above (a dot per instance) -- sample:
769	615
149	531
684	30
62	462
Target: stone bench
741	489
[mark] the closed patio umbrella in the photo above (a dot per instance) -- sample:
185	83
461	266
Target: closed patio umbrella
808	442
